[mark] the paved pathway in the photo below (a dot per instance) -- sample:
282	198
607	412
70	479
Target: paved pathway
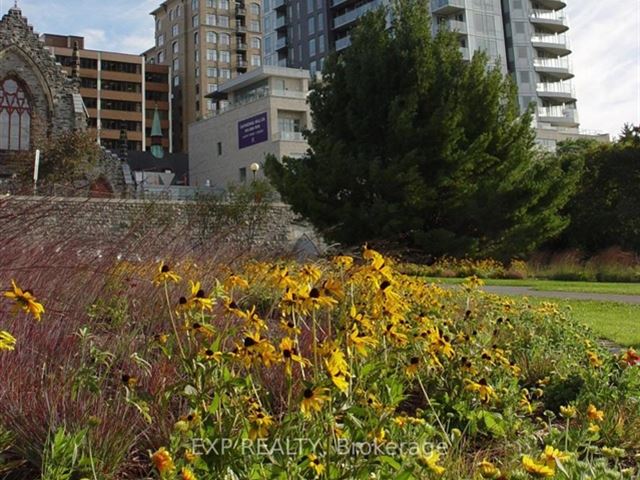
530	292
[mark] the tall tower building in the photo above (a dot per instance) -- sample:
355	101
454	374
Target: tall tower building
205	43
527	38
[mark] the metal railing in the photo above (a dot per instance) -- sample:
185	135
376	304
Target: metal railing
289	136
556	87
555	39
549	15
356	13
552	63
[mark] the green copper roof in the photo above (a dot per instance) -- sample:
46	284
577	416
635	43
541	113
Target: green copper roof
156	136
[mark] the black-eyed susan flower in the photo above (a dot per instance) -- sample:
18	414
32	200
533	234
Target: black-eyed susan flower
312	400
290	355
260	424
7	341
412	366
199	298
128	380
161	338
165	275
252	319
163	461
316	299
315	464
482	388
343	261
24	300
211	355
290	328
235	281
594	360
537	470
360	341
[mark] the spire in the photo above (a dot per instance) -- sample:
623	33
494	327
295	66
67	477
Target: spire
156	135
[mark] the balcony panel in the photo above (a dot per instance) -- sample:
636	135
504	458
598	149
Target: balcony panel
343	43
550	21
556	45
352	15
446	7
552	4
559	116
556	92
557	68
453	26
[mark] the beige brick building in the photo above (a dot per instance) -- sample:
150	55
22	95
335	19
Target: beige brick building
261	112
205	43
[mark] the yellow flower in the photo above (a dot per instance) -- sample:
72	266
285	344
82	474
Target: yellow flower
198	298
236	281
551	455
594	360
593	428
162	461
488	469
431	461
25	300
412	367
7	341
290	355
260	424
568	412
187	474
484	390
315	465
128	380
614	452
535	469
312	400
165	275
208	354
252	318
360	341
343	261
594	414
190	456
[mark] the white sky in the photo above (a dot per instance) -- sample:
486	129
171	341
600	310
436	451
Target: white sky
605	39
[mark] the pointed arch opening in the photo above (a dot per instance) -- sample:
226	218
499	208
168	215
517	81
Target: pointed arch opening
16	114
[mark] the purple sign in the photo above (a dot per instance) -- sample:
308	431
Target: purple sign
253	130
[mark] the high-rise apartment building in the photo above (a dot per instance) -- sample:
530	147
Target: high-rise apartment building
205	43
119	90
527	38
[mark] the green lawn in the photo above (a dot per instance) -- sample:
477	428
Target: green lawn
556	285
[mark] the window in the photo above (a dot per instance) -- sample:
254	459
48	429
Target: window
225	39
176	64
255	43
255	9
171	15
311	24
212	37
212	72
243	174
160	40
524	76
321	43
194	4
312	68
196	38
174	47
223	21
178	11
219	148
223	4
289	124
175	30
225	73
161	56
312	47
254	25
255	60
210	105
310	6
320	21
195	21
210	20
176	80
225	57
212	87
212	55
196	56
15	116
520	28
211	4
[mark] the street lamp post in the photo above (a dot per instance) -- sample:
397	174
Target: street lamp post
254	168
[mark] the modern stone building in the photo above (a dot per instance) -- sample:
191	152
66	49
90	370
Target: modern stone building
205	43
37	97
261	112
119	90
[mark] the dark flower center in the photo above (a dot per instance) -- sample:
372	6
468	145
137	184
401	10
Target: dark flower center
384	285
308	393
165	269
208	352
314	293
249	342
286	353
415	361
182	301
200	294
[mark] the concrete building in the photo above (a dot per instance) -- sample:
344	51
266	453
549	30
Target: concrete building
528	39
119	90
261	112
206	43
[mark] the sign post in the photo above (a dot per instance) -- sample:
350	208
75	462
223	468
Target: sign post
36	168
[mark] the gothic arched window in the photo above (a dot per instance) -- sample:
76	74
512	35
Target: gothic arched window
15	116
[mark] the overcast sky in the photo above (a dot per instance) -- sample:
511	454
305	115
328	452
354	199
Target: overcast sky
605	39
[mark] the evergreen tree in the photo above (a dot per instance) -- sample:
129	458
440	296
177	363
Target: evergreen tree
413	144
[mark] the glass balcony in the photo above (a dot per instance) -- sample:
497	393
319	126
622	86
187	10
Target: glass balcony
559	114
353	15
558	90
453	25
343	43
554	21
445	7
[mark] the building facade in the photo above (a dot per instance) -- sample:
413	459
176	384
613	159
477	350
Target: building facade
120	91
37	97
527	38
261	112
205	43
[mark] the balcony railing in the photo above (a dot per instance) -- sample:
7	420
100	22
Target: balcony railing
281	43
343	43
453	25
559	112
454	4
557	87
558	15
356	13
555	39
278	4
289	136
552	63
255	95
281	22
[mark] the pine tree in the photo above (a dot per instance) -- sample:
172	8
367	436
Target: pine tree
413	144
